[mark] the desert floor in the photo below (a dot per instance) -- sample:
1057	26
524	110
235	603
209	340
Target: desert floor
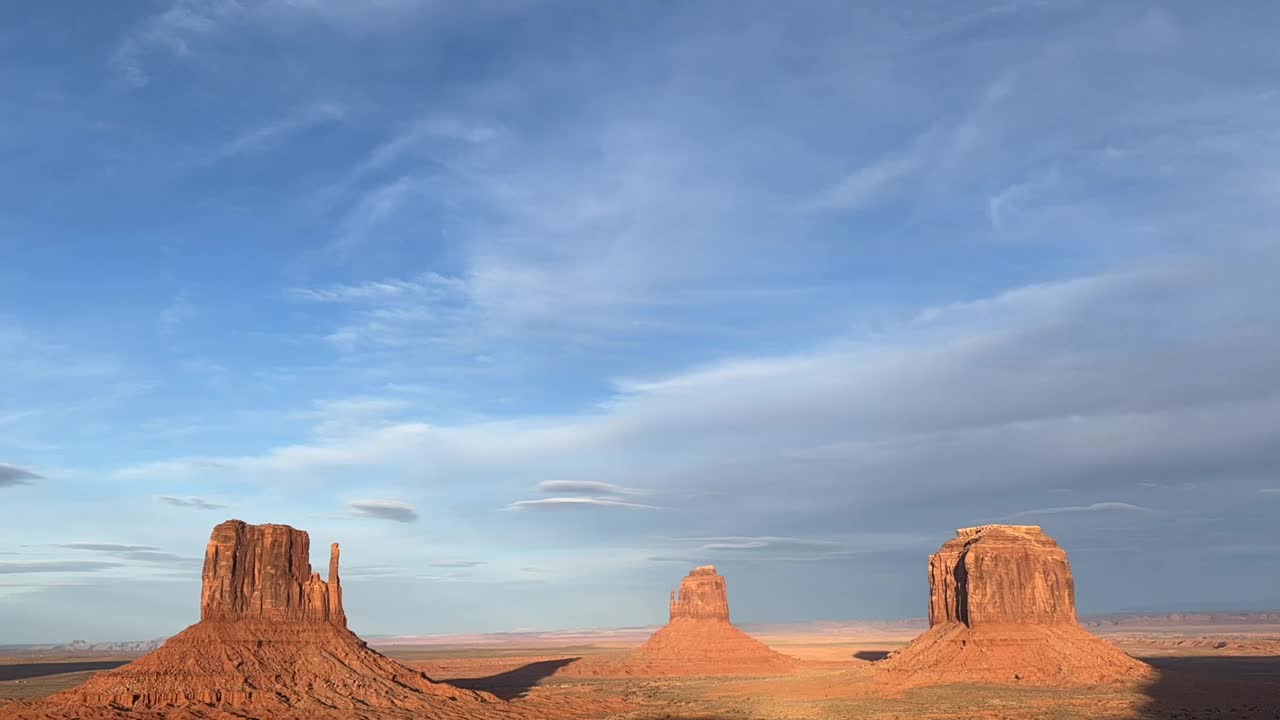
1204	672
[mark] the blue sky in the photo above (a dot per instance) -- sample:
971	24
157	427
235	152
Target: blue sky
534	306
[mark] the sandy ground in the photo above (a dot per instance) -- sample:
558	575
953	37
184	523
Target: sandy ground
1203	672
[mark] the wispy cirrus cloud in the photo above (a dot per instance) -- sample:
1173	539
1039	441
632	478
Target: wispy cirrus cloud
877	180
457	563
264	137
172	32
422	287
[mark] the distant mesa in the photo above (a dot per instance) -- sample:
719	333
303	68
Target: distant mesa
272	641
1002	610
698	639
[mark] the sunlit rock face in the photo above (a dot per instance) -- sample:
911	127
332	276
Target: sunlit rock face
702	594
264	571
272	641
1002	610
1001	574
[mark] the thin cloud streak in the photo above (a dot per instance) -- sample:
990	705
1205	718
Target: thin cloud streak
55	566
586	487
393	510
193	503
1095	507
578	502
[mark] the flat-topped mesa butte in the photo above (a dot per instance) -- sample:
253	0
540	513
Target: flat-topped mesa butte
702	595
264	572
1002	609
272	641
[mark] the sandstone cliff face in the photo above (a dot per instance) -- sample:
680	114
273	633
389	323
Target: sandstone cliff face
702	594
1001	574
1002	609
264	571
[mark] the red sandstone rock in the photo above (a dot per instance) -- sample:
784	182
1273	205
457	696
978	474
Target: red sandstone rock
1001	573
698	640
264	571
1002	609
272	642
702	595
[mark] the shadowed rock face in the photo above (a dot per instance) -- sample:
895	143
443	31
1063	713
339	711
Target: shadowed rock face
702	595
264	571
1001	574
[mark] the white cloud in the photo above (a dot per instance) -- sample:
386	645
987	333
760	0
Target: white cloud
585	487
1095	507
425	285
172	31
420	136
1022	377
264	136
876	180
578	502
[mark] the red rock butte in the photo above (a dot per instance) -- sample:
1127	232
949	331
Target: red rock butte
272	641
264	572
1002	609
697	640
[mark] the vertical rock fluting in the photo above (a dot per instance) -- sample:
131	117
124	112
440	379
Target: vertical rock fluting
1002	609
272	641
1001	574
264	571
702	595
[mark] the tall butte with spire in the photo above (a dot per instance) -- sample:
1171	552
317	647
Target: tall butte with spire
272	641
698	639
1002	609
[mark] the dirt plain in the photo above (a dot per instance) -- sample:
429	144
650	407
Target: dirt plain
1203	671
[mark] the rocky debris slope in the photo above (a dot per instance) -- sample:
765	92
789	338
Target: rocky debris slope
698	639
272	642
1002	609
